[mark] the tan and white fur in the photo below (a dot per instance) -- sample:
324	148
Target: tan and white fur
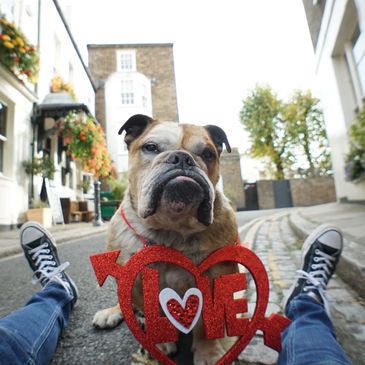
172	200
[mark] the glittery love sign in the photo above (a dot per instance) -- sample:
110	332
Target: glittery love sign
215	303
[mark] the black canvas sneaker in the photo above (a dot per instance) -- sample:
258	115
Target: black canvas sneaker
320	254
41	253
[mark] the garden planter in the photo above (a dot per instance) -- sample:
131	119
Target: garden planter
40	215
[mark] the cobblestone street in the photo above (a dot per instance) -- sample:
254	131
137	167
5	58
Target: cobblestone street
279	248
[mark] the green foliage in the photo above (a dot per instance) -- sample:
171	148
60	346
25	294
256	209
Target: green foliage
40	166
119	186
307	134
355	159
261	117
290	135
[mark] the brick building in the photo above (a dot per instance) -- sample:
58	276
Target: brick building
131	79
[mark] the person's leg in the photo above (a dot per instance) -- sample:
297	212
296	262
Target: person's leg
30	334
310	338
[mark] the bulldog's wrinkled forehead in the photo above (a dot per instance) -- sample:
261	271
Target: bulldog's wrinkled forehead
166	134
171	135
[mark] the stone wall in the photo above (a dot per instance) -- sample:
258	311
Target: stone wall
265	194
230	169
157	63
312	191
153	60
102	63
304	192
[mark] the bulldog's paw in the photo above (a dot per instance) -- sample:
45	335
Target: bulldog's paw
108	318
168	348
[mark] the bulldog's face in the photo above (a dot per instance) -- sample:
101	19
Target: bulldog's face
173	170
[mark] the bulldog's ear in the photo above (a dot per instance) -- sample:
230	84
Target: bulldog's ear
134	127
219	137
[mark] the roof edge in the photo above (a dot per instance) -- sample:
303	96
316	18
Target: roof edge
129	45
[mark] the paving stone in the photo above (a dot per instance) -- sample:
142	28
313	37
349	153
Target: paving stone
340	295
257	353
352	312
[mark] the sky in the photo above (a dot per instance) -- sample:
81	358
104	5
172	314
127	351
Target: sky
222	49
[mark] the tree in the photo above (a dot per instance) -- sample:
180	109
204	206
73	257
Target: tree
290	134
307	134
260	115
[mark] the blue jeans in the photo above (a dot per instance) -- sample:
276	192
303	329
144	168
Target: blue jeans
310	338
30	334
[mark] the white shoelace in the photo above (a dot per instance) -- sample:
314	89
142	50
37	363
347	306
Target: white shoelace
319	275
48	271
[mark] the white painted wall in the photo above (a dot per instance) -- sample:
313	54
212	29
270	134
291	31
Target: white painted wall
13	180
338	99
57	56
116	113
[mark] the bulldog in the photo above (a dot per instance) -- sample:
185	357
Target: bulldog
172	200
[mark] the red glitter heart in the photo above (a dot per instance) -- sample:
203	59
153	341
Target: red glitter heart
186	315
161	330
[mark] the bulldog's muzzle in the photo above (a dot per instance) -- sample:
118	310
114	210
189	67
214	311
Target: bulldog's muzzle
178	183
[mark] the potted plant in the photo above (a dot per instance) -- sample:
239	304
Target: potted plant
40	166
41	213
39	210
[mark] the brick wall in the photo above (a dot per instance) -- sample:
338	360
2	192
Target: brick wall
153	60
232	181
102	63
157	63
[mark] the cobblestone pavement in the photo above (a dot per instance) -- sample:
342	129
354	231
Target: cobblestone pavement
279	249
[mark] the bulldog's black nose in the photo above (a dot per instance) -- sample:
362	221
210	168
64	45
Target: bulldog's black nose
181	160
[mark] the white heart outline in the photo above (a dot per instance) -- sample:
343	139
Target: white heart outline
168	293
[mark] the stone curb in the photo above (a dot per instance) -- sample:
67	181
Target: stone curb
351	267
60	237
250	232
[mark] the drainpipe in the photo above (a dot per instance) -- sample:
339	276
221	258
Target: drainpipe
97	208
33	120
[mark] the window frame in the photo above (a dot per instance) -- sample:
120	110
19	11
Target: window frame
3	138
126	53
127	95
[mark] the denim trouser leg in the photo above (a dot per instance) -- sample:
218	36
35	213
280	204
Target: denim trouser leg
310	338
30	334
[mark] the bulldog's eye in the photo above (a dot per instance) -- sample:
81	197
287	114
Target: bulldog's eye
208	155
150	147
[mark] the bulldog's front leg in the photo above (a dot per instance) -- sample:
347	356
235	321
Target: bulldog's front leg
206	352
108	318
111	317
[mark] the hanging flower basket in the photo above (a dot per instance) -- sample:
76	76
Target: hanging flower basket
85	141
16	53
